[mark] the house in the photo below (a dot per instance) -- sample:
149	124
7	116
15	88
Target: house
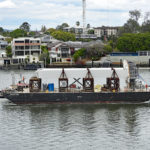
60	52
3	45
2	38
105	31
45	39
26	48
86	36
76	29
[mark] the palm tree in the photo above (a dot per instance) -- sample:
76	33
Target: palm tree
78	23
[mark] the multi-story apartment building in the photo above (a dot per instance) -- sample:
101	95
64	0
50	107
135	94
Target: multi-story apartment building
105	31
26	47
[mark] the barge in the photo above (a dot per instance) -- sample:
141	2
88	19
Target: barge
88	92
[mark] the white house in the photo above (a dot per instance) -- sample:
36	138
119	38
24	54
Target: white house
60	52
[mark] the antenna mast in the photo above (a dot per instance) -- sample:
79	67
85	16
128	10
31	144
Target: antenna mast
84	14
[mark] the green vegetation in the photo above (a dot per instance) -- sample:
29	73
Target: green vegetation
1	30
32	34
91	31
92	52
134	42
63	36
43	28
9	51
108	48
79	54
132	36
8	40
18	33
25	26
62	26
45	55
51	30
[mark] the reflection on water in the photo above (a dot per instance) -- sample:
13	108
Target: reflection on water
74	126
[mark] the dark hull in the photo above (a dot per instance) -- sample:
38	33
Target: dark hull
120	97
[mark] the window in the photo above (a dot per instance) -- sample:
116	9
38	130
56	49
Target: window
19	53
26	52
26	40
26	47
143	53
19	47
19	41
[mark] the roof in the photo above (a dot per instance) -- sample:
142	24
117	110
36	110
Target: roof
107	27
3	42
1	37
23	38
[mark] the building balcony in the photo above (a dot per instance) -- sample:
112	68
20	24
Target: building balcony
27	44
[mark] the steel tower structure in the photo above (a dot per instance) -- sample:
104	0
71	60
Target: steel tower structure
84	14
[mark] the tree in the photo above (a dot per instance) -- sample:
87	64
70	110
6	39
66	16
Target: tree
18	33
134	42
51	30
43	28
135	15
32	34
108	48
79	54
132	25
44	55
61	27
9	51
1	30
146	24
63	36
91	31
88	26
25	26
78	23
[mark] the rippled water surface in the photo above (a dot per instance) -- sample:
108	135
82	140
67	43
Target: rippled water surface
74	127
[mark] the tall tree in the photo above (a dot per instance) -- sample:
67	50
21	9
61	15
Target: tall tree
132	25
146	24
25	26
1	30
77	23
43	28
88	25
135	15
9	51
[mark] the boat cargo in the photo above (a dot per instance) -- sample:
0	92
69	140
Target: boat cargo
82	85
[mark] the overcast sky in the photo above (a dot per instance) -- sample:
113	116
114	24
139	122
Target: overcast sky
54	12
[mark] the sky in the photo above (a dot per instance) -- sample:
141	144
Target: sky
55	12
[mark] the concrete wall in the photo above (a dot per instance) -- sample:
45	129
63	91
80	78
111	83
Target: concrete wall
135	59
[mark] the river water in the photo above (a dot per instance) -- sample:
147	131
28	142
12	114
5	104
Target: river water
73	127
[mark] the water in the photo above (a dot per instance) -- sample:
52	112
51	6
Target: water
73	127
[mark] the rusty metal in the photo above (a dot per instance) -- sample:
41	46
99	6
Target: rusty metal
88	82
35	84
113	83
76	81
63	82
